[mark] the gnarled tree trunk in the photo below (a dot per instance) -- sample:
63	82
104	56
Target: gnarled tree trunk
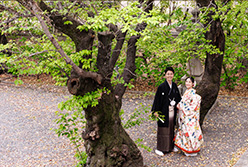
106	141
208	88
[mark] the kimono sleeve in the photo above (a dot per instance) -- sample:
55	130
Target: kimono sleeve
195	102
157	101
178	96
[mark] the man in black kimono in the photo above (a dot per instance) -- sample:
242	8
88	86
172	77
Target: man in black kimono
164	108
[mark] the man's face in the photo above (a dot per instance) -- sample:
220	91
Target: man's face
169	75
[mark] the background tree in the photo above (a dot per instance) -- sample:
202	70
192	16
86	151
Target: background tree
208	88
204	38
232	49
4	41
234	22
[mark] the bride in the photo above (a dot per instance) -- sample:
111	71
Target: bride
188	137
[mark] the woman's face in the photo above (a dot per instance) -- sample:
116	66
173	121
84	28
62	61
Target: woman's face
188	83
169	76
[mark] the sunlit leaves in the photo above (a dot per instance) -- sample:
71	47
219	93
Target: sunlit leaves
126	18
78	58
235	25
67	22
138	142
135	117
79	103
18	82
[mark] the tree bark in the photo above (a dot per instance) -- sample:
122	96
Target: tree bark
4	41
104	52
244	62
208	88
117	50
130	67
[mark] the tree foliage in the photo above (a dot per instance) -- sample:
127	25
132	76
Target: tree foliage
235	23
156	40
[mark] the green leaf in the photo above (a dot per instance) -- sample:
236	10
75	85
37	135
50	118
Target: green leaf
68	22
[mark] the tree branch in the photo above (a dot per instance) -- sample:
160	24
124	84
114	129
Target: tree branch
93	7
82	39
104	51
130	67
79	71
74	3
129	70
117	50
37	53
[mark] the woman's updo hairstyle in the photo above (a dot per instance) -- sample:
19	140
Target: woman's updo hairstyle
169	69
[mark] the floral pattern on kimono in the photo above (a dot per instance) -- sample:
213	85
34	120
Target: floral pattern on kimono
189	135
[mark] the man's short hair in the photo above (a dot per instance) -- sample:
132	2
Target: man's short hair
169	69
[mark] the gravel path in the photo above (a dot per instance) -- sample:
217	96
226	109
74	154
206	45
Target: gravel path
26	119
